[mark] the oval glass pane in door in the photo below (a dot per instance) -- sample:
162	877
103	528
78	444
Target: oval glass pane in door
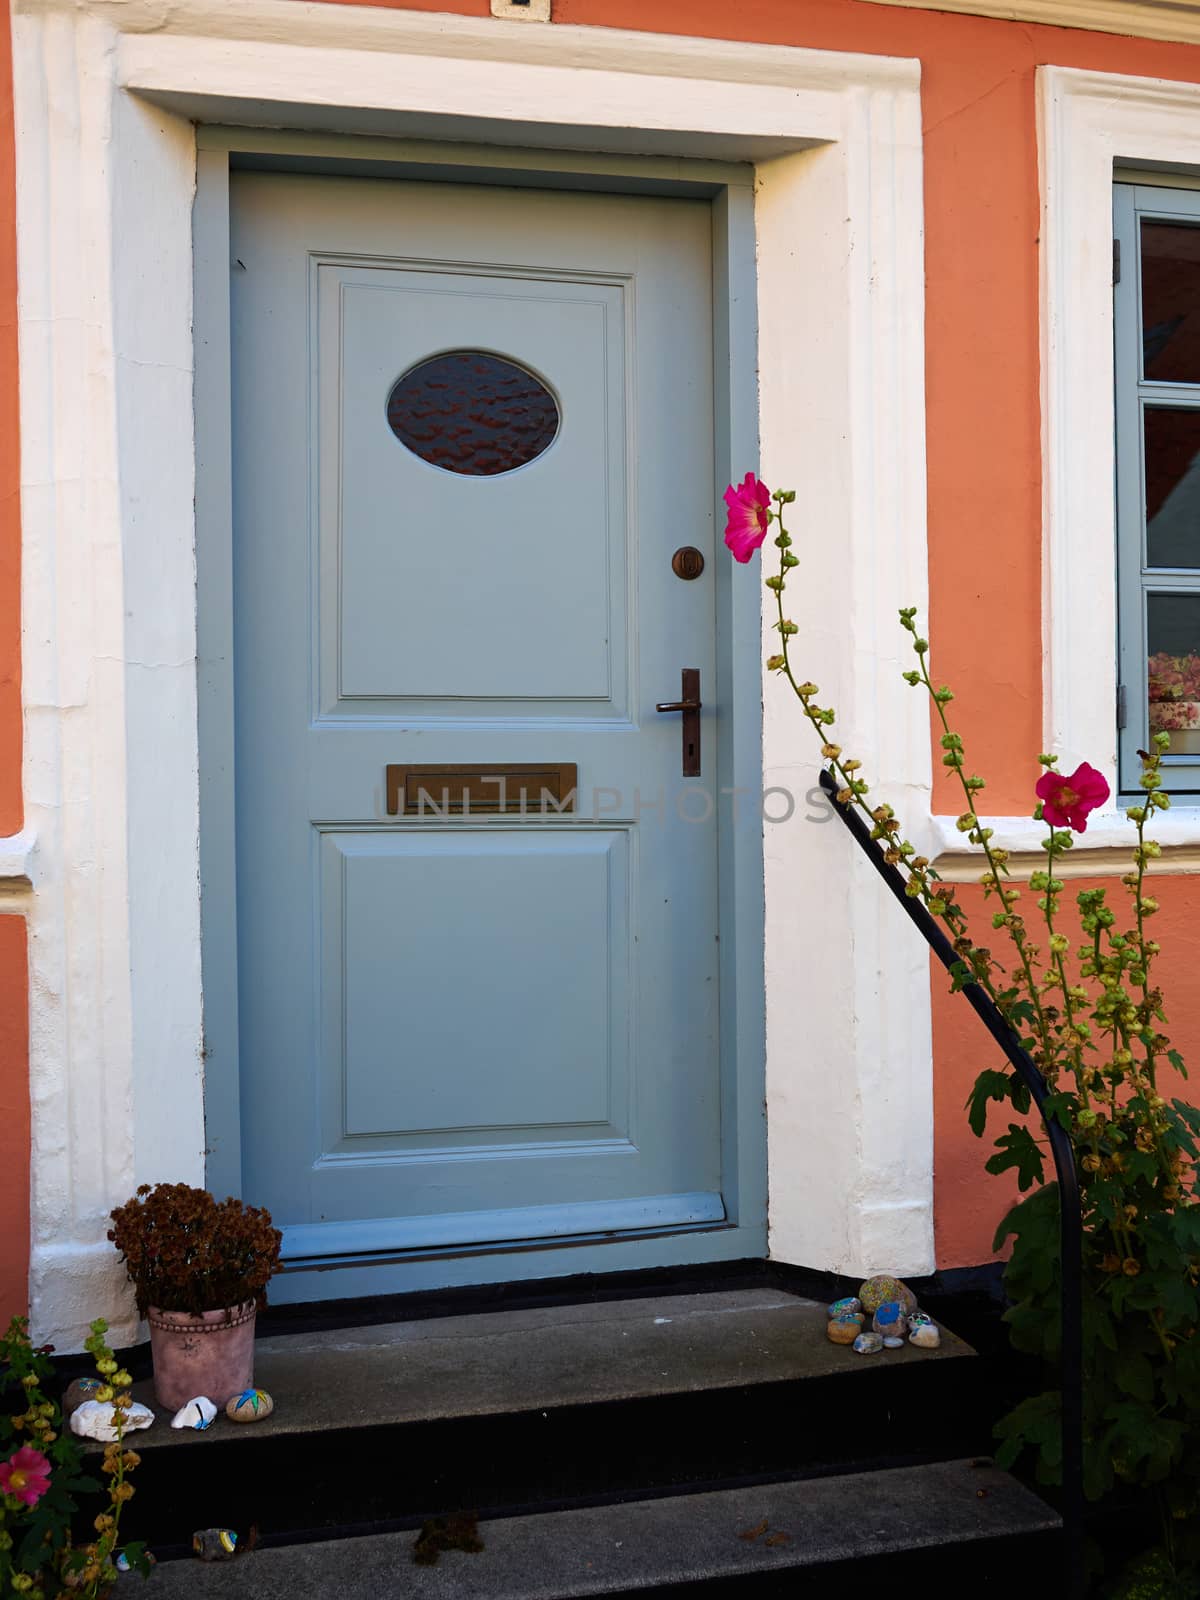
473	413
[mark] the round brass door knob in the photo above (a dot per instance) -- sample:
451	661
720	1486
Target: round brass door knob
687	562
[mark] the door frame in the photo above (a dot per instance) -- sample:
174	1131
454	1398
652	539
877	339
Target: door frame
729	190
107	99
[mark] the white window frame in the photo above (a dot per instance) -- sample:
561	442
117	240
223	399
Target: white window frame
1089	124
1134	202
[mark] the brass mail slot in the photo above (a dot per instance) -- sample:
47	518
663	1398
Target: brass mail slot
534	788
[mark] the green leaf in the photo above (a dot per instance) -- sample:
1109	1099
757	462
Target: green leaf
960	976
1034	1222
1140	1164
1062	1108
138	1559
1144	1445
1185	1372
989	1086
1135	1375
1036	1423
1017	1150
1176	1061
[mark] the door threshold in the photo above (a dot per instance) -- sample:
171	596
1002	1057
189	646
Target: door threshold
454	1252
582	1288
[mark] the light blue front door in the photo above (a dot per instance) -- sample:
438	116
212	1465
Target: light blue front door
471	428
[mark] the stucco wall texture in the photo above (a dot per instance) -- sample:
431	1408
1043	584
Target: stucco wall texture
984	477
14	1002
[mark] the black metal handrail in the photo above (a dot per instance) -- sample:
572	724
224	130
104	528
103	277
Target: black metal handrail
1063	1152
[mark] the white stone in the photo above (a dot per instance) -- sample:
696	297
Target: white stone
925	1336
198	1413
94	1419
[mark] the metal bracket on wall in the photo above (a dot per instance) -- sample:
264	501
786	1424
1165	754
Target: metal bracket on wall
522	10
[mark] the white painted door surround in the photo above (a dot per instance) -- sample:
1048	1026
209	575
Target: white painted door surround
108	93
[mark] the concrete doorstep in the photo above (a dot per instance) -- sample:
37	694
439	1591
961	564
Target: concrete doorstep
514	1361
734	1533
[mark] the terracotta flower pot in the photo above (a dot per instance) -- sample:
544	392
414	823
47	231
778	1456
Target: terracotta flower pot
208	1352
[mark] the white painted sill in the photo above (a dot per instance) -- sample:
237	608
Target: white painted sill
16	861
1105	848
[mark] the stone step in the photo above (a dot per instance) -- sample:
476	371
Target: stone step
512	1412
956	1521
490	1363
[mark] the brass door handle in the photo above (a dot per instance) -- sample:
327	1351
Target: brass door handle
690	704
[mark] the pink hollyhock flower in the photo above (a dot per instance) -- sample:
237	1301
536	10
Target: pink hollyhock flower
1067	802
746	524
25	1475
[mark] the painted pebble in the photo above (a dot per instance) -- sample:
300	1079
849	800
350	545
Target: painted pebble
848	1307
252	1405
94	1420
199	1414
925	1336
79	1390
844	1330
868	1344
124	1565
890	1324
876	1291
215	1544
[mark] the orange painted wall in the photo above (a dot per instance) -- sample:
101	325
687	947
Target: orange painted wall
969	1201
14	1004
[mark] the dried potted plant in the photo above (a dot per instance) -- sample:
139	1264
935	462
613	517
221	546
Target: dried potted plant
200	1271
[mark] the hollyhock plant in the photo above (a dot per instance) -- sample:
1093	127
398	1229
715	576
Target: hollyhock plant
25	1476
42	1481
1069	802
1082	999
748	516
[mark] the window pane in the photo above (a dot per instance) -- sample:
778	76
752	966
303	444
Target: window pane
1173	638
474	413
1171	302
1172	487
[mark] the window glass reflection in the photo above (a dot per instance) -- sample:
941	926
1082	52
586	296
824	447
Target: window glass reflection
1173	641
473	413
1171	302
1172	440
